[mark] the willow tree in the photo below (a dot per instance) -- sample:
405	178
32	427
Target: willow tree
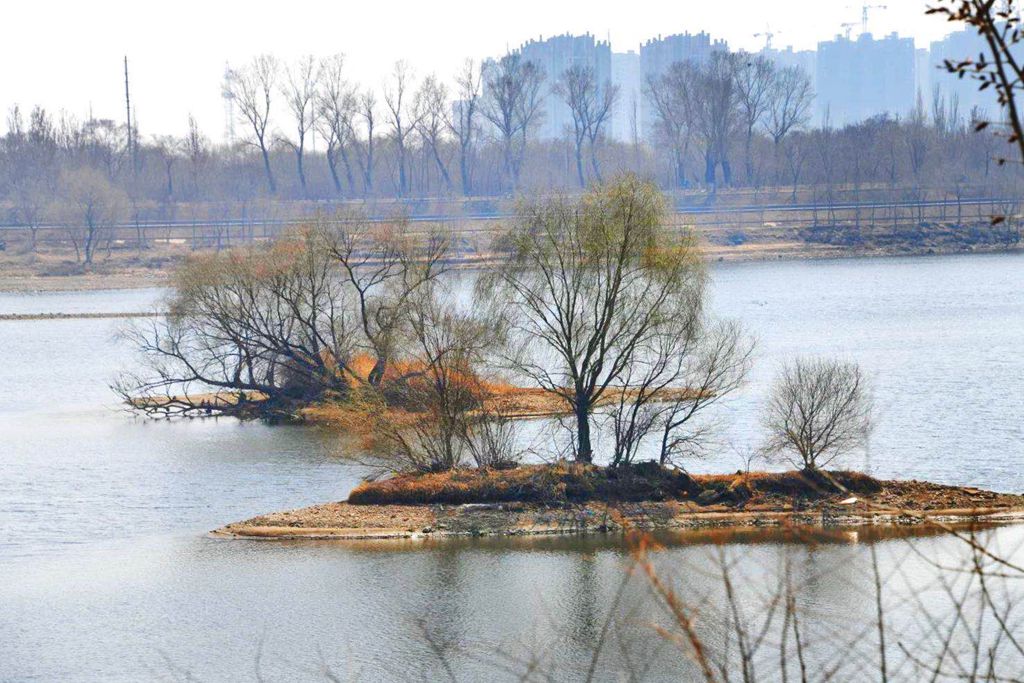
588	285
269	323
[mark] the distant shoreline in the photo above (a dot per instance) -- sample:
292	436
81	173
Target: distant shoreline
17	283
135	278
18	317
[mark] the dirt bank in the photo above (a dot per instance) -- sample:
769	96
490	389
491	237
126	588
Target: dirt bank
758	500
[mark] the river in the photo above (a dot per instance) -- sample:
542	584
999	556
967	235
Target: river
106	572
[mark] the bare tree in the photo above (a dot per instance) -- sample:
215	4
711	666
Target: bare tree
716	97
30	195
30	160
196	148
402	117
252	89
586	287
367	110
263	329
755	80
607	98
462	120
168	148
89	206
387	272
672	97
590	105
789	102
818	409
431	107
512	103
677	375
795	150
717	366
336	107
577	87
446	349
299	92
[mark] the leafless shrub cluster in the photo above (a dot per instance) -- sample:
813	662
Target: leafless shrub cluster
288	323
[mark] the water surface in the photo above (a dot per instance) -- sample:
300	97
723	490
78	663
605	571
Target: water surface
106	574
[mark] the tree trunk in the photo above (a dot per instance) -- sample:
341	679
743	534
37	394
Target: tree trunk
301	170
377	372
594	163
726	171
584	452
442	168
332	164
403	181
348	169
709	168
464	171
266	167
749	160
579	166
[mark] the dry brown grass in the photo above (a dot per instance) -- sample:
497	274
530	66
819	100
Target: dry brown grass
790	484
558	483
566	482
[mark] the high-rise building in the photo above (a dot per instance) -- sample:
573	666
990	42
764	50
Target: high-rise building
555	55
807	60
626	123
922	72
858	79
658	54
957	47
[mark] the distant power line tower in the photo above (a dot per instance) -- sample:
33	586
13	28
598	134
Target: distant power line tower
229	106
128	117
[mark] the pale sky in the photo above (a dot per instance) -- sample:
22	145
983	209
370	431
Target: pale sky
67	54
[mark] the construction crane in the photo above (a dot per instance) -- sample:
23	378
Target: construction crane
847	28
864	10
767	34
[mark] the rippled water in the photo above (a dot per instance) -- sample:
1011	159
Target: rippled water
105	572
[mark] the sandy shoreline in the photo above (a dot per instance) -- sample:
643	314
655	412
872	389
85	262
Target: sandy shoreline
19	283
19	280
901	504
458	521
20	317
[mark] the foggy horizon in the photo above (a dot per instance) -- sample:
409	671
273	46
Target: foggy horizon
168	84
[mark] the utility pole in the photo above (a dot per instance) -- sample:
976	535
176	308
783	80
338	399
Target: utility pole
128	114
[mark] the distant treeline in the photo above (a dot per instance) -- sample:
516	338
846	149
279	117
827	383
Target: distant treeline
306	132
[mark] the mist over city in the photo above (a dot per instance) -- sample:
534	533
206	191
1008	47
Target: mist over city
478	342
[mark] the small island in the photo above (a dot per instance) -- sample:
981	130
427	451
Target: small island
596	319
571	498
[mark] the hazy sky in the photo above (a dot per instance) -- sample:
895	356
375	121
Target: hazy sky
68	53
